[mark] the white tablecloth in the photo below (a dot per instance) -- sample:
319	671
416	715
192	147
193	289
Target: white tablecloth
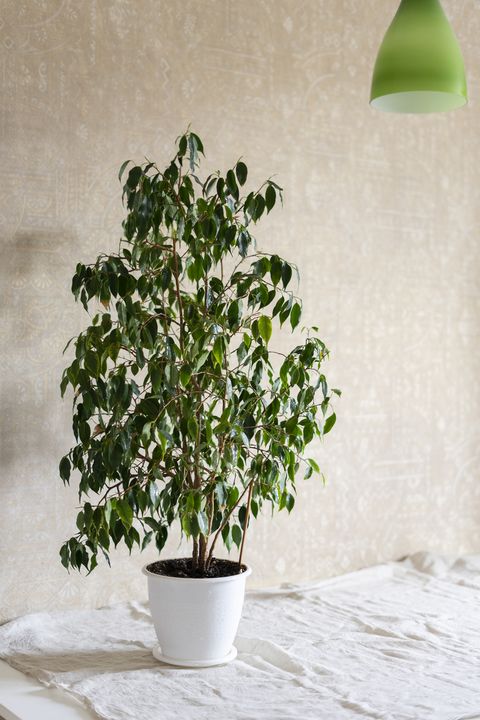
400	641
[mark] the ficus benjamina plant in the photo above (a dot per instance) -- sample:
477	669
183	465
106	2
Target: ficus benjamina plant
182	411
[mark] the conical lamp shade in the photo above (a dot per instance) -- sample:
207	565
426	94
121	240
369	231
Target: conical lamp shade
419	67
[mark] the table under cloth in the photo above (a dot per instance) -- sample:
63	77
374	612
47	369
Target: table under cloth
398	641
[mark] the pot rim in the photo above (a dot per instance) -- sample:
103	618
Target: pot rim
226	578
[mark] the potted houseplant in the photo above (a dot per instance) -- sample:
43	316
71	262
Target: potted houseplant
182	412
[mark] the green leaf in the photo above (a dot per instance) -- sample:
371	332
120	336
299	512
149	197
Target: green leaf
65	555
148	407
198	143
202	358
249	426
125	512
116	455
237	535
152	523
108	511
146	540
313	464
259	207
185	375
233	313
275	269
286	274
80	520
270	197
91	363
192	428
218	350
220	187
241	172
104	538
202	522
227	537
122	169
265	328
146	433
133	177
156	378
165	278
187	524
153	493
232	184
220	493
182	146
295	315
65	468
84	432
329	423
63	385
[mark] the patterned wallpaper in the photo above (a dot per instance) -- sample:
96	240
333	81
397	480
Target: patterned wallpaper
381	215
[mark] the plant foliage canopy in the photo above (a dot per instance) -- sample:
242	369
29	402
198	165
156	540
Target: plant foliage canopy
178	410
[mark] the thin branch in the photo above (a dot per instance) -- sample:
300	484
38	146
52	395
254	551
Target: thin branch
225	520
247	516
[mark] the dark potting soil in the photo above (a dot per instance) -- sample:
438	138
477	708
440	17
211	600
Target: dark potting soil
183	568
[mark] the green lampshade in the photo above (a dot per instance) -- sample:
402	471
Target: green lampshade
419	67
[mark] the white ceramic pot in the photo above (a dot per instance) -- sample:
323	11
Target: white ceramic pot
196	619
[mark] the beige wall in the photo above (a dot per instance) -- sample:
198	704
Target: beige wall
381	215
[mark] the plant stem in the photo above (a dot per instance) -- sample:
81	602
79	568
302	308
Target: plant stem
177	290
247	515
202	543
225	520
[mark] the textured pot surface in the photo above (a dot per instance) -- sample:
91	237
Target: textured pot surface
196	619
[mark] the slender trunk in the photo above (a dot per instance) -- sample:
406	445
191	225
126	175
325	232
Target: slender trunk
202	549
247	515
195	553
177	291
226	519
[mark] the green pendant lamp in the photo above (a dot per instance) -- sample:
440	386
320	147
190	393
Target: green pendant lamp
419	67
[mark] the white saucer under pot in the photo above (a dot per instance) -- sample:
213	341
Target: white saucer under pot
196	619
